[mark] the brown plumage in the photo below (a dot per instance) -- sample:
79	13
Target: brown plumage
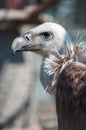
55	64
71	98
69	84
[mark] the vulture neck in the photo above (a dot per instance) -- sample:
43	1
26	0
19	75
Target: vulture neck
45	78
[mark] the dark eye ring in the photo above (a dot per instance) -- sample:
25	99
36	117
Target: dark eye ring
45	34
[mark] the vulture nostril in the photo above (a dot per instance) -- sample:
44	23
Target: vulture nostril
27	38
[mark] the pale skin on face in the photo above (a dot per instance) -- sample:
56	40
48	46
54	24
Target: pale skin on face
46	37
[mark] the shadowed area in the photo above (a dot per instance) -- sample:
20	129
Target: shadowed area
6	38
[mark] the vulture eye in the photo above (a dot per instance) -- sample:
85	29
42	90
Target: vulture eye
46	35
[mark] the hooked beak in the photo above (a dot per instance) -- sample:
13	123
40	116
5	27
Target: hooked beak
18	44
21	44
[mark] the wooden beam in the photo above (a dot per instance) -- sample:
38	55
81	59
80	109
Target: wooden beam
30	14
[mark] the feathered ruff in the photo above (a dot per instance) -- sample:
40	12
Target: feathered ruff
55	64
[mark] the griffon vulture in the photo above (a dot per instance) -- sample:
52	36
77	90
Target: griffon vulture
61	73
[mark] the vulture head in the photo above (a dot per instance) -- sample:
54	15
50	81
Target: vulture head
44	39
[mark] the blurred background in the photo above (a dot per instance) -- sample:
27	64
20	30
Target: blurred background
23	102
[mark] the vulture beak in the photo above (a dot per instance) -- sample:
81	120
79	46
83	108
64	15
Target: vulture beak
18	45
24	43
